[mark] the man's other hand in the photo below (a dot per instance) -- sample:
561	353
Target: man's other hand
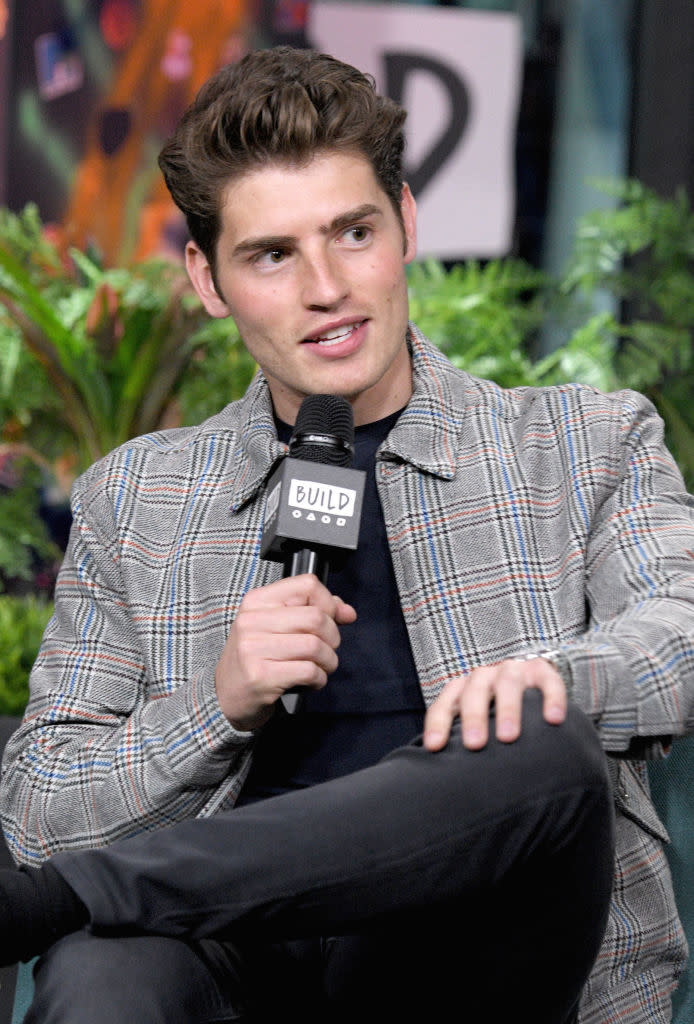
470	697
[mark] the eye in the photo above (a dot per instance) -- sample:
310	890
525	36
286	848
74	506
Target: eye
271	257
357	234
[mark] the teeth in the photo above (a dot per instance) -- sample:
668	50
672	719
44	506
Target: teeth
333	337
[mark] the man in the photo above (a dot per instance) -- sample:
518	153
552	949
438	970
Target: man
524	573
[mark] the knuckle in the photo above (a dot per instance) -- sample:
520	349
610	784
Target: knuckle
453	688
313	587
313	618
313	646
244	647
313	675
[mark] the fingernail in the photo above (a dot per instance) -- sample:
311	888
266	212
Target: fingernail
433	739
473	736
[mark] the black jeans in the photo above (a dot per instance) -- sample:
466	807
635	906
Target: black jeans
474	879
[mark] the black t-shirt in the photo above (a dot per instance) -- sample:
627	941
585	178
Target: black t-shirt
372	702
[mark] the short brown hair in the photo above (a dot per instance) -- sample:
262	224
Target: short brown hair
280	104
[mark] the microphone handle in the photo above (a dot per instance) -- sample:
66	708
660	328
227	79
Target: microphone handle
308	560
303	560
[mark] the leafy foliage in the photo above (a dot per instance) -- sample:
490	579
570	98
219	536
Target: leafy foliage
23	538
90	357
480	316
636	257
642	253
217	373
486	318
114	345
22	622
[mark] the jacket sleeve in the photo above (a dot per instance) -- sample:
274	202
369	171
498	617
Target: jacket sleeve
633	670
99	755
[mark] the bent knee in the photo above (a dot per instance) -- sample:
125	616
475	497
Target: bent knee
84	978
545	755
570	751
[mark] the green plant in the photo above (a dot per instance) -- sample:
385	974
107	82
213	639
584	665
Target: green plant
114	345
22	622
641	253
486	317
90	357
23	537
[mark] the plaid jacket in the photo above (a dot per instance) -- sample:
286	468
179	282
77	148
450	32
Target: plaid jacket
517	520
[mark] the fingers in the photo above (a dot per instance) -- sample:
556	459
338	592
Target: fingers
294	620
441	714
300	591
284	635
288	635
470	697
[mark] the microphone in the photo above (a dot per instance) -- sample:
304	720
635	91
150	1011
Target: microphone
314	497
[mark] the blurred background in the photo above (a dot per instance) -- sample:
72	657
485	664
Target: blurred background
90	88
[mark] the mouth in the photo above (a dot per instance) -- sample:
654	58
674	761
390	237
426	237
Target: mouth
335	336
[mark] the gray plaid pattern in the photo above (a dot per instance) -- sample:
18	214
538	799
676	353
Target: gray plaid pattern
517	520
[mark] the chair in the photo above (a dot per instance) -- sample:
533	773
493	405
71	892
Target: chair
24	989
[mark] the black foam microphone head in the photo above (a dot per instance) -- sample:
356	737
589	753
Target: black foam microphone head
324	431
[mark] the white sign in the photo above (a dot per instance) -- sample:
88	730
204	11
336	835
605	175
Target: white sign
458	74
320	497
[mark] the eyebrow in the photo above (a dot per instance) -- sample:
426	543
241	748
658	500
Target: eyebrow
269	242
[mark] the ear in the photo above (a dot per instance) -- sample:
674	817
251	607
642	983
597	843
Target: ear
200	274
408	208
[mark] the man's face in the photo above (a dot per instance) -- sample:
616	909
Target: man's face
311	266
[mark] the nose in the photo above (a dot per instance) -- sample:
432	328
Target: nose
323	285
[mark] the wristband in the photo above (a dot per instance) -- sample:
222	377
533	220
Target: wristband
554	656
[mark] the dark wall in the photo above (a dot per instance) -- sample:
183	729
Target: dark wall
662	154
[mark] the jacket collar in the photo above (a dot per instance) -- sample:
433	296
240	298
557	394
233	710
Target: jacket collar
427	434
257	444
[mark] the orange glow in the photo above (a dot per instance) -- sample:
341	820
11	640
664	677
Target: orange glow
119	202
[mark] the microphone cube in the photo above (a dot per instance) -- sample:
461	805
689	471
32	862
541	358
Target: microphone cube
311	504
